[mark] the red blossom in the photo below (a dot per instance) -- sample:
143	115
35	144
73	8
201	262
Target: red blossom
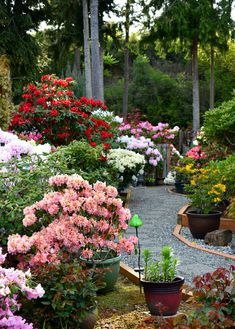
93	144
54	113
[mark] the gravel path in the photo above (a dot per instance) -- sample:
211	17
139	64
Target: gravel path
158	208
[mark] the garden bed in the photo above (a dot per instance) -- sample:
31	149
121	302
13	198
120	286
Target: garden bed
125	307
225	223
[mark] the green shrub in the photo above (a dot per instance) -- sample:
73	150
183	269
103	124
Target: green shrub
219	124
25	181
70	295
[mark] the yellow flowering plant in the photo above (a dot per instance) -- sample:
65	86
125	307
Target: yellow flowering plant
206	190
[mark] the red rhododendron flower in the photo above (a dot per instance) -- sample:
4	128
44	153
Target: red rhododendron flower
93	144
54	98
54	113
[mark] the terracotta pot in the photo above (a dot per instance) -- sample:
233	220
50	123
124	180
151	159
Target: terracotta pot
201	224
163	298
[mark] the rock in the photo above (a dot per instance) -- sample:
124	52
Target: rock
218	237
233	247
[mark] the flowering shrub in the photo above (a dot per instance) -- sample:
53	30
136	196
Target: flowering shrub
13	147
196	153
13	285
77	217
50	108
161	133
128	164
143	146
206	191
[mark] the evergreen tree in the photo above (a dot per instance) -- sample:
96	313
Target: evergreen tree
17	19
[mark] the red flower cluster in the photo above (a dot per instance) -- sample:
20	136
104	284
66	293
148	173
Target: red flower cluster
50	108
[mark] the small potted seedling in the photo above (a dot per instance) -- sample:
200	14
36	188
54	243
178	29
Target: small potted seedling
162	286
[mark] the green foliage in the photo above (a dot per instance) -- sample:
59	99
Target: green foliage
5	92
25	181
22	183
70	295
230	211
16	19
160	271
214	296
219	124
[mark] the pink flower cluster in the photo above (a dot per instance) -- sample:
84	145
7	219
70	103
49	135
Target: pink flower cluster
196	153
77	217
12	283
160	133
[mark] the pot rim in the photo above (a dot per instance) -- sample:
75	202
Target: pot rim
178	278
211	213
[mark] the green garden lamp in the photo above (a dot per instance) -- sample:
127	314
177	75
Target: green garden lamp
137	222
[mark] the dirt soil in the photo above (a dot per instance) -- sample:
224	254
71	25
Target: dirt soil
125	308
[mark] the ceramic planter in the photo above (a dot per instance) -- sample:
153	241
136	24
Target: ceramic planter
201	224
111	268
163	298
179	187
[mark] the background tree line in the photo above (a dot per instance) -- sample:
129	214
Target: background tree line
180	62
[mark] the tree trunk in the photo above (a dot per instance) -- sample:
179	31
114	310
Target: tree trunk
102	72
212	79
196	105
87	56
126	61
77	60
95	53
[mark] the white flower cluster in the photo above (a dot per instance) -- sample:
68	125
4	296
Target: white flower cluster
170	178
123	159
107	115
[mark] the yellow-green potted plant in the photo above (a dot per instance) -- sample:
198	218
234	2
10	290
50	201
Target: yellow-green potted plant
162	286
206	192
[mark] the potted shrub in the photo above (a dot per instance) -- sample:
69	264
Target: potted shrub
78	218
206	192
162	286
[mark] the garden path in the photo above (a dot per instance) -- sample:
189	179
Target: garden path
158	208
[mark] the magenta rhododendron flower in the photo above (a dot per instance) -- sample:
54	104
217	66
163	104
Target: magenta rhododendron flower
78	217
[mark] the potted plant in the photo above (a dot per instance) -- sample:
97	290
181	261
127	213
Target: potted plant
206	193
162	286
81	219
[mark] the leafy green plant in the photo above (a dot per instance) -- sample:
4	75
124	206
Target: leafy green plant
25	181
70	295
160	271
219	124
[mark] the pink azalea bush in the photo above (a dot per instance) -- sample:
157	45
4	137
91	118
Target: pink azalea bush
78	218
13	284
